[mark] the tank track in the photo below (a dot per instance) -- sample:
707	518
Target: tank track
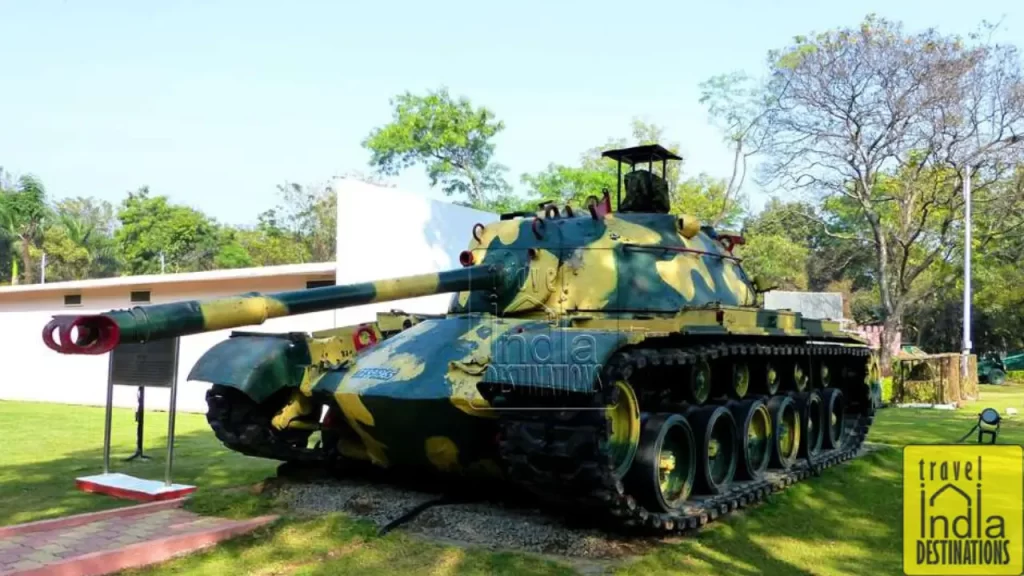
244	427
562	457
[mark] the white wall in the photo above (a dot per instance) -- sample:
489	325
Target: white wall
388	232
34	372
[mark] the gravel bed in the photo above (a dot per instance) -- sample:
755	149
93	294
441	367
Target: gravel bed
485	525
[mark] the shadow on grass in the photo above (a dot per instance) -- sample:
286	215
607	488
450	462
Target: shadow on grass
47	446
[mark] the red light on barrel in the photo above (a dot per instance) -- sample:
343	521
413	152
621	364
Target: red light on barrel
466	258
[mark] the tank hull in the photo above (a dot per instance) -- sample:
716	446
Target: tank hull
538	405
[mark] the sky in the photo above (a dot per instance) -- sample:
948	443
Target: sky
216	103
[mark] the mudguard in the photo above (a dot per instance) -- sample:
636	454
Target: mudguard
258	365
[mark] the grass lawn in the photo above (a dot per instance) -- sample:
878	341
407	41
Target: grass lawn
848	521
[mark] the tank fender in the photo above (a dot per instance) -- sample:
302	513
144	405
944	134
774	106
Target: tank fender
566	359
258	365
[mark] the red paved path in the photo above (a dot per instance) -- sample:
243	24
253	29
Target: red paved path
112	540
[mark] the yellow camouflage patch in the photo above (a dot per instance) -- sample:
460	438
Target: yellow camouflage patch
240	311
410	286
464	374
678	273
442	453
590	276
358	417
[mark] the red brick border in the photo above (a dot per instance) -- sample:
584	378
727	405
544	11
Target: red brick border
79	519
146	553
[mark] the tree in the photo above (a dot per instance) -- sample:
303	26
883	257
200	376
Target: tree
882	126
23	213
189	240
702	196
709	199
450	137
269	244
775	259
594	174
737	106
310	214
81	226
833	257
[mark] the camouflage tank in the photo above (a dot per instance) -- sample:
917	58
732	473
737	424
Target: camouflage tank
612	361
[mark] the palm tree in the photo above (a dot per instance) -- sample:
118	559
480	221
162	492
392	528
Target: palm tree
86	225
8	234
26	214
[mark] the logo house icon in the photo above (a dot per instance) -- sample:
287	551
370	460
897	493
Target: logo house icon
963	510
964	525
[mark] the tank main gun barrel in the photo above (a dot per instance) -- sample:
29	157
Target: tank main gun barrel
100	333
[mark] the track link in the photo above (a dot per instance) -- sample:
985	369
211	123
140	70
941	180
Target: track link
244	426
562	456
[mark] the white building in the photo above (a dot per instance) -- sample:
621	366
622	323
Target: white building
382	233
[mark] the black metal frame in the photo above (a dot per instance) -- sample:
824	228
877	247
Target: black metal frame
140	418
636	155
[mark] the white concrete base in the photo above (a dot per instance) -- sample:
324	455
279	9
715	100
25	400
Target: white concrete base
124	486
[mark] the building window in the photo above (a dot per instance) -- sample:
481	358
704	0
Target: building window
140	296
72	299
319	283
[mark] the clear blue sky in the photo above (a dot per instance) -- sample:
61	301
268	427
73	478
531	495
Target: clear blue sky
213	103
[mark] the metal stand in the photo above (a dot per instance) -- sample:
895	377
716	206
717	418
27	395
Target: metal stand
140	417
151	364
172	409
109	416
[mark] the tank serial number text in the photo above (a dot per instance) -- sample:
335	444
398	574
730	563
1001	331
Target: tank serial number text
376	373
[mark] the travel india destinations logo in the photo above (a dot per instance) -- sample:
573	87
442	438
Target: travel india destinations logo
963	510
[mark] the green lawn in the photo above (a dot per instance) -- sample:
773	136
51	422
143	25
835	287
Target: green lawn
848	521
38	469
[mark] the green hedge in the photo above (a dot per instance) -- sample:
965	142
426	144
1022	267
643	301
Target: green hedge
1015	376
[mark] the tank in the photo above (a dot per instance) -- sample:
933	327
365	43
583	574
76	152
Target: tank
993	368
613	362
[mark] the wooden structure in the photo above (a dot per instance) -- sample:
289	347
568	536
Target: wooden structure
934	379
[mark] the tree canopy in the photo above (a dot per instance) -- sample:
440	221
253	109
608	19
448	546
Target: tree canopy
448	136
877	129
